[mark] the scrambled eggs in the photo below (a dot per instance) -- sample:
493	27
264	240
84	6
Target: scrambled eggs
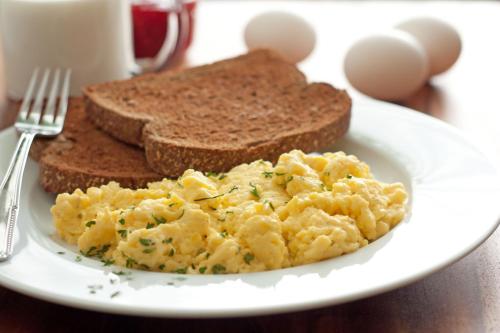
256	217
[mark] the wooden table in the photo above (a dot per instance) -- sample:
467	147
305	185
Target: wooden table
464	297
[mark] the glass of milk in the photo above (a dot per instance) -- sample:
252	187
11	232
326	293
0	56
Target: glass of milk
92	37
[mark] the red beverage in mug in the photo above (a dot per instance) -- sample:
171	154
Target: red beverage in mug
150	25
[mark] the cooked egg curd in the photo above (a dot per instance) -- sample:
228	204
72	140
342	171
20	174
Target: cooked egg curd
255	217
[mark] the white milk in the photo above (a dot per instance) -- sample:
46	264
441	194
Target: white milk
92	37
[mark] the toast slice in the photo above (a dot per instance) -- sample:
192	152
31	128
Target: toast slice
83	156
213	117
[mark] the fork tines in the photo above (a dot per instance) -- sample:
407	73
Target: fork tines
48	115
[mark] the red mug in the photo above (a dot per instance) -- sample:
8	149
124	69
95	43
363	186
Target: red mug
163	30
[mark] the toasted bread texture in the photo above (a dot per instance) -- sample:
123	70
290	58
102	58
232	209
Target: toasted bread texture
83	156
213	117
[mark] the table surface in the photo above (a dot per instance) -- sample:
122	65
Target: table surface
464	297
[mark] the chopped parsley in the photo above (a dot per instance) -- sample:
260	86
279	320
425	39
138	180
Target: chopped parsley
150	225
348	176
145	241
254	191
161	267
78	258
123	233
208	198
180	185
122	273
218	269
279	173
159	220
61	252
171	253
148	250
223	234
130	263
90	251
267	174
270	204
94	251
181	270
172	204
222	176
167	241
113	295
203	269
121	221
89	223
107	262
211	174
234	188
248	258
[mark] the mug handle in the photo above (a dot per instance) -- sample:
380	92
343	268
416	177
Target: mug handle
176	36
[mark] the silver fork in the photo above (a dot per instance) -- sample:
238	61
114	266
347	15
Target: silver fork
30	123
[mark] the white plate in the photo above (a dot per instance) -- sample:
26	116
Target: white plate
454	193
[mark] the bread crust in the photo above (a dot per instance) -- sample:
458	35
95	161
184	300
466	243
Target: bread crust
301	115
83	156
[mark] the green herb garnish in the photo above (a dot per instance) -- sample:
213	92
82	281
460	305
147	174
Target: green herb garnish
267	174
208	198
159	220
78	258
211	174
145	241
270	204
181	271
148	250
161	267
167	241
89	223
171	253
150	225
172	204
248	258
113	295
254	191
223	234
108	262
123	233
202	269
279	173
61	252
218	269
348	176
121	221
222	176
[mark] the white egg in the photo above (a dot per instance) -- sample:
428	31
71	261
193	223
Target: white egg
288	34
440	40
389	66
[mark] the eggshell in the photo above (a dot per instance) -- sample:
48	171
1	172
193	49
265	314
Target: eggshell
288	34
440	40
389	66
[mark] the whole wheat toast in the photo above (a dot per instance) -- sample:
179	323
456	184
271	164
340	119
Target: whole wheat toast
213	117
83	156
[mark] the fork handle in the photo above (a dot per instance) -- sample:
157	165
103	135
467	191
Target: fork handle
10	192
